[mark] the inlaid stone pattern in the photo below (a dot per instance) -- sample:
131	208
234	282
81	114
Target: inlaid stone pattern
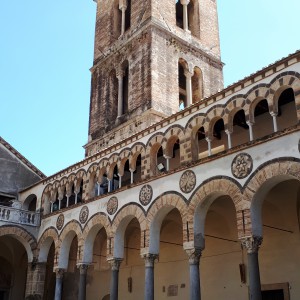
242	165
146	194
187	181
112	205
60	222
84	214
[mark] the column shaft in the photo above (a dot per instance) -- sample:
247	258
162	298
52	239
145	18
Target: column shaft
114	284
82	282
189	91
149	275
58	284
120	96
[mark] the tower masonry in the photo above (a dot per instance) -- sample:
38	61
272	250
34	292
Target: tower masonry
151	59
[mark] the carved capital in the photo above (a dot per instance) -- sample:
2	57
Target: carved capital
83	268
251	243
59	273
185	2
115	263
194	255
150	259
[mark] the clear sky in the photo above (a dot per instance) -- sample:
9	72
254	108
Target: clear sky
46	51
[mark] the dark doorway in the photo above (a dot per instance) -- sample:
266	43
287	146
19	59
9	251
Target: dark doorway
273	295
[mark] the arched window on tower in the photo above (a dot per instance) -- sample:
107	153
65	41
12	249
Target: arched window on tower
117	20
182	86
179	14
125	87
197	85
128	15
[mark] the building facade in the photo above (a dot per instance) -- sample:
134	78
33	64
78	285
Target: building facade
187	189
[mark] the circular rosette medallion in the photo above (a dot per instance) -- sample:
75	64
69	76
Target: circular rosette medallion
242	165
60	222
146	194
84	214
112	205
187	181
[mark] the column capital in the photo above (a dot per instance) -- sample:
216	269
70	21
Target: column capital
59	273
228	132
251	243
83	268
188	73
167	156
250	123
273	114
120	73
185	2
208	139
194	255
150	259
115	263
122	4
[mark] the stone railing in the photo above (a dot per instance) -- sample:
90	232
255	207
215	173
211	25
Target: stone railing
19	216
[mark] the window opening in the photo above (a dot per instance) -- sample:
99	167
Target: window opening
128	15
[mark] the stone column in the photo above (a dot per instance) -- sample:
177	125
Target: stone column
274	116
250	124
252	244
189	92
82	281
131	175
58	284
120	76
149	275
51	207
209	145
185	4
120	181
167	162
229	138
194	261
123	7
114	284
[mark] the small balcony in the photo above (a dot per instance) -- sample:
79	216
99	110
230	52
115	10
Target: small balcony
19	216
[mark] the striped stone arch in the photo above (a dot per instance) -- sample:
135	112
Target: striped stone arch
92	177
254	96
136	150
174	133
213	115
120	222
123	157
284	81
66	237
194	123
156	138
267	176
103	166
93	168
71	178
81	175
24	237
158	210
204	196
49	236
113	161
234	105
90	231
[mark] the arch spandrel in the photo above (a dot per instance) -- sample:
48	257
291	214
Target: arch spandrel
49	236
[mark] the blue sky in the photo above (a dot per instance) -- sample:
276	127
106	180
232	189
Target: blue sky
47	49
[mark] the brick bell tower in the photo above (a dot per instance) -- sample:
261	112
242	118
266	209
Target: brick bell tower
151	59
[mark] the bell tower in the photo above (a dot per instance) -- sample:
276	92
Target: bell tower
152	58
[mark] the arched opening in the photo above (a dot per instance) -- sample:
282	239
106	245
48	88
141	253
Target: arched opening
117	21
70	290
138	172
13	268
79	198
49	286
193	18
103	185
287	113
197	82
133	267
276	207
63	202
182	85
263	120
171	272
72	197
240	134
114	182
100	270
126	178
128	15
157	160
173	146
126	87
199	144
219	137
30	203
222	257
113	99
55	205
179	14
